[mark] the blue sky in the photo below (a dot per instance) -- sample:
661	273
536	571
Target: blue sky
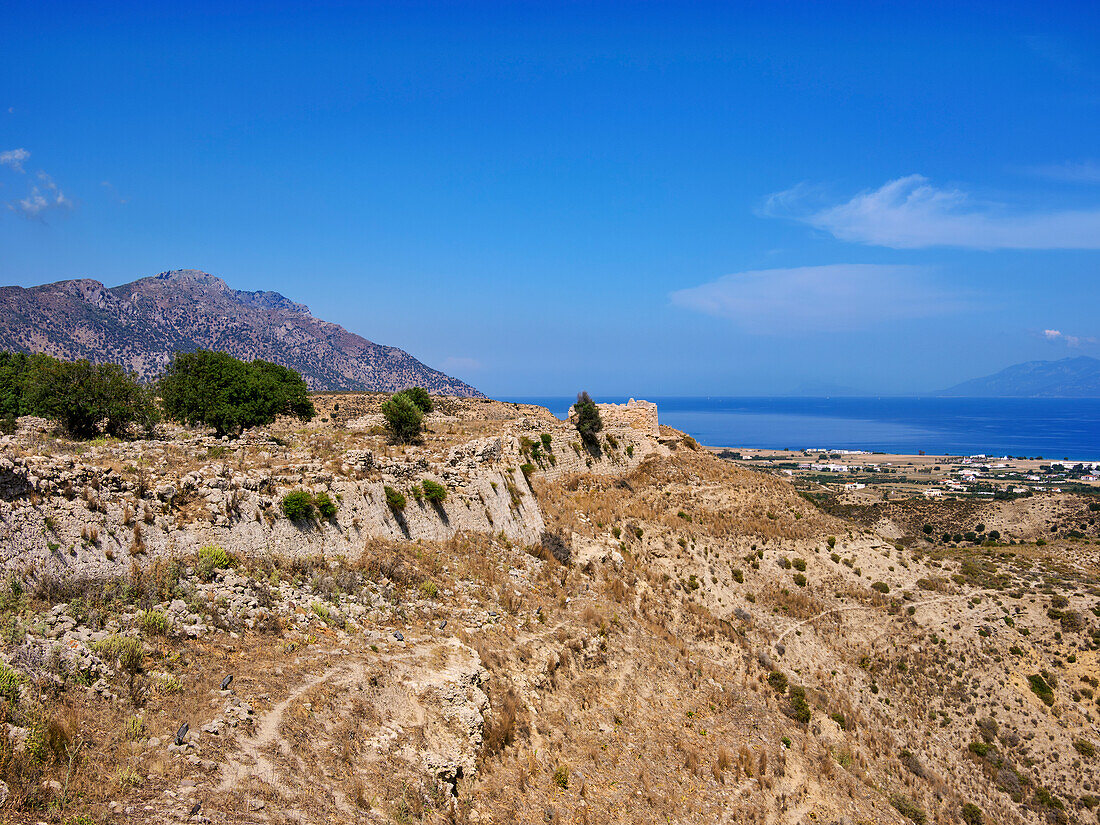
636	198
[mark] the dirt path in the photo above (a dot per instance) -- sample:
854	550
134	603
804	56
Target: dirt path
267	733
795	627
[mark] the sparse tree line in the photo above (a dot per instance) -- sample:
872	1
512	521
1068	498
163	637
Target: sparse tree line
202	388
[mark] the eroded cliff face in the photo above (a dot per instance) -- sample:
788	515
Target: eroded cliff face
97	508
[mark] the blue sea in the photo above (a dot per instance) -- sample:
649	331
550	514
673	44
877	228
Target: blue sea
1049	427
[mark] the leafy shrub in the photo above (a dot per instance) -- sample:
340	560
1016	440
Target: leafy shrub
297	505
1048	800
881	587
908	808
800	579
840	719
429	589
1040	688
404	419
214	389
778	680
153	622
588	420
979	748
169	685
420	398
433	491
799	565
738	575
799	708
1085	748
971	814
394	499
561	777
211	558
1071	621
527	468
325	505
831	541
126	650
546	440
9	684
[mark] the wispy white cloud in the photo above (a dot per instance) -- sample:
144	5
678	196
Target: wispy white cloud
15	158
1059	337
829	298
910	213
44	196
1086	171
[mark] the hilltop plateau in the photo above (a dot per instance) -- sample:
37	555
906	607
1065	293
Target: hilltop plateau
141	324
504	623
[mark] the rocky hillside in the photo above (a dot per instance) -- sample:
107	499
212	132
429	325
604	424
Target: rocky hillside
635	632
141	324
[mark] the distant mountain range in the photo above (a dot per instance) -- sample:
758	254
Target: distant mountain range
1066	378
140	325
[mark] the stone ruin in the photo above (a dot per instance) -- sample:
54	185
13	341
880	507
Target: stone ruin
635	415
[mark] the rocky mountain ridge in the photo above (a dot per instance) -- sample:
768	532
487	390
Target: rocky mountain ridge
140	325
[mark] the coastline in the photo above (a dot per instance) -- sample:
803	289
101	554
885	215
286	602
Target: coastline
1050	428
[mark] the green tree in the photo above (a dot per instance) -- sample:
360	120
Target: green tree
419	396
217	390
13	372
403	418
86	398
588	421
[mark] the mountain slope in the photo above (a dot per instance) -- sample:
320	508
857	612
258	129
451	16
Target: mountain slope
1065	378
141	324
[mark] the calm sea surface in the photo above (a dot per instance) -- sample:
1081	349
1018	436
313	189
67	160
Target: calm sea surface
1047	427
